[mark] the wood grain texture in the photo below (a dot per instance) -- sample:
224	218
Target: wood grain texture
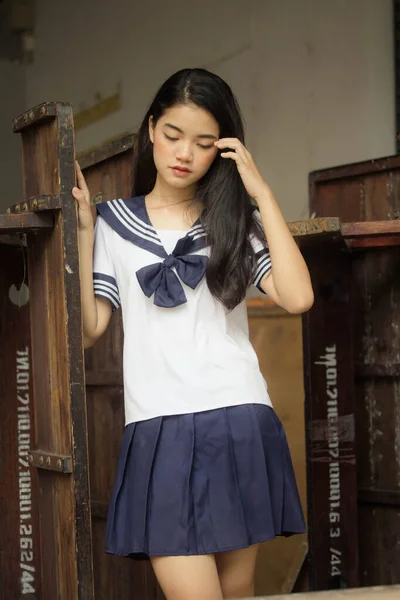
368	194
25	222
330	428
60	411
46	111
19	519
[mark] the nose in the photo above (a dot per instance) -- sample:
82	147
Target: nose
184	152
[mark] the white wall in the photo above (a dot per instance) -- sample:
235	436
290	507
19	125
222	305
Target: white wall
12	100
315	78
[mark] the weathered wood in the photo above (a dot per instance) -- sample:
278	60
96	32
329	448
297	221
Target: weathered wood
50	461
372	234
315	227
370	191
365	191
377	335
20	572
391	592
371	228
356	170
39	203
329	406
357	235
43	112
24	222
59	395
383	241
111	150
368	370
377	496
104	378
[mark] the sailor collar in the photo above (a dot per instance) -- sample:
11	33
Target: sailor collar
129	218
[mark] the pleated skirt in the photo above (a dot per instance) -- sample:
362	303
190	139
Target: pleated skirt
203	483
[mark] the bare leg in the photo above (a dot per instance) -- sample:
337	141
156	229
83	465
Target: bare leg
188	577
236	572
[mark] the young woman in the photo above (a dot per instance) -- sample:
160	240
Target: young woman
204	473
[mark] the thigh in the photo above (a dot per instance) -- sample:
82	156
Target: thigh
188	577
236	571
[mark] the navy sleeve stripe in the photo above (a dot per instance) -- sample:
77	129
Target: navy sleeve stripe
263	265
104	294
262	270
106	286
106	279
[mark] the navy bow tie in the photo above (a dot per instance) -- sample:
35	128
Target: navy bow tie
130	220
159	279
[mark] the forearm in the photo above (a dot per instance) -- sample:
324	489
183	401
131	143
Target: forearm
290	273
88	300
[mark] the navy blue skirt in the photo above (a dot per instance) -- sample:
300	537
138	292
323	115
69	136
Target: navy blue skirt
203	483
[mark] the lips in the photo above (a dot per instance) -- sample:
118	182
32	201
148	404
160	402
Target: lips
181	169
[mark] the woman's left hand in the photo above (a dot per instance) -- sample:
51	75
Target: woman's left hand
255	185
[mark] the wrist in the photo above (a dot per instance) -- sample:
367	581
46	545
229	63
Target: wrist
264	196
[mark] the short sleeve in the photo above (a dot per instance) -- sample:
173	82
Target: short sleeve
262	255
104	277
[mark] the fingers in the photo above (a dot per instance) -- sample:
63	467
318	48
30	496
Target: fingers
80	178
228	142
233	144
81	191
232	155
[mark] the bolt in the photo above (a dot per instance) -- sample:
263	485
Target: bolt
17	208
48	461
41	460
34	204
30	458
59	464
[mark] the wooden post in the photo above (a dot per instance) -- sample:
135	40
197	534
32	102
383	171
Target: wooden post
19	523
329	406
365	196
58	455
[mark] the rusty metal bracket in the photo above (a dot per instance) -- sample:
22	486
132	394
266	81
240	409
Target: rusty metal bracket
50	461
39	203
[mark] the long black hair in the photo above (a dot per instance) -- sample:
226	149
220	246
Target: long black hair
227	208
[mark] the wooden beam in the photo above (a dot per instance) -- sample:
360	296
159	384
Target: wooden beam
371	228
24	222
42	112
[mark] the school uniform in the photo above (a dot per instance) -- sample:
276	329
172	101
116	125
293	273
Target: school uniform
204	464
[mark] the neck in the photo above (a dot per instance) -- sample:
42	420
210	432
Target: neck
166	194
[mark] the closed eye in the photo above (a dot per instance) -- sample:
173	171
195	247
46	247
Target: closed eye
205	147
172	139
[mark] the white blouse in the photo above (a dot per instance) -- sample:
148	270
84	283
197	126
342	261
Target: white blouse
183	351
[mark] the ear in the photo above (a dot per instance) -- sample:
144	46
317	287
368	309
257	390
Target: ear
151	129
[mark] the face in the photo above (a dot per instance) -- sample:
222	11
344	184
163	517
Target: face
183	144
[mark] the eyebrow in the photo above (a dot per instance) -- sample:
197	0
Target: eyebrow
208	136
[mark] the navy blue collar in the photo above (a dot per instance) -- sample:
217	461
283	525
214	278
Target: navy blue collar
129	218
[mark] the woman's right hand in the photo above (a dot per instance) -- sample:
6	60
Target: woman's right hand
82	196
